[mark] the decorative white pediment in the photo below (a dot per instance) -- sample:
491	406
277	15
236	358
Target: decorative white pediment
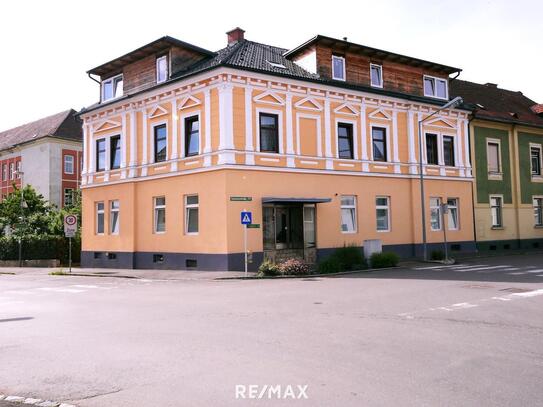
106	125
381	114
441	122
308	104
157	111
346	108
269	97
189	101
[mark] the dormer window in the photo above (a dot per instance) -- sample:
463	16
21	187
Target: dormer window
435	87
376	72
338	68
112	88
161	69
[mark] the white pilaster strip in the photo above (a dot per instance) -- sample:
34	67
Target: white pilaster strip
92	155
145	142
290	136
175	125
207	127
85	154
226	125
249	145
133	145
364	136
396	157
440	158
327	135
466	148
458	148
411	140
123	146
422	142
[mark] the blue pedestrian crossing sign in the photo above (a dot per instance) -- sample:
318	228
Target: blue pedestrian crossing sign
246	218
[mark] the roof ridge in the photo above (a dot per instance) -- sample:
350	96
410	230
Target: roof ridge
36	121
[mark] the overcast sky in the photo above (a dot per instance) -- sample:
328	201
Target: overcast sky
47	46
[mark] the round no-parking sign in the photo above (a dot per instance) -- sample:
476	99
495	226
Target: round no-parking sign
70	225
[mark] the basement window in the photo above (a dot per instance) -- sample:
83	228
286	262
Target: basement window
191	263
158	258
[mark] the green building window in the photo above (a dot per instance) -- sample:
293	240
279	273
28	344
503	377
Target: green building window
535	154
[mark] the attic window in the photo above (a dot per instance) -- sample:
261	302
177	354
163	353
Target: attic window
161	69
112	88
277	65
435	87
338	68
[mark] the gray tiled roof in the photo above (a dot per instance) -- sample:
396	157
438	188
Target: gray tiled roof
255	56
63	125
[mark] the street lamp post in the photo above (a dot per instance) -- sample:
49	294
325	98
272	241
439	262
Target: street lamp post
20	175
449	105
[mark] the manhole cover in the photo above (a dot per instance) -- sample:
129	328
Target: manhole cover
516	290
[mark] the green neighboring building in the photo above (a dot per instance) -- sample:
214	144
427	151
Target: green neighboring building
506	135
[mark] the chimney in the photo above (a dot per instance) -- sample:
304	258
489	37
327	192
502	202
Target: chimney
491	85
538	109
235	35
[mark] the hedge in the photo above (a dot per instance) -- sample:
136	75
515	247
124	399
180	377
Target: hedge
42	247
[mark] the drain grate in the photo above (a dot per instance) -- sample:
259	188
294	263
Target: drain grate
516	290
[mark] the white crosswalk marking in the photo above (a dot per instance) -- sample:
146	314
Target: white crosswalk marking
534	271
61	290
517	274
487	268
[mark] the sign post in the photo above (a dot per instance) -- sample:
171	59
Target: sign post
70	229
246	219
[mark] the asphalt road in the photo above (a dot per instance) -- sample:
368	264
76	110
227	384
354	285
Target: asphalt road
466	335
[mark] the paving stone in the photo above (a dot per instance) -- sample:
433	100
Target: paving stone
32	401
17	399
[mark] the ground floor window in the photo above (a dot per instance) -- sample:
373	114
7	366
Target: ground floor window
348	213
435	213
68	196
100	218
452	204
309	227
160	214
496	211
191	214
382	209
114	207
538	211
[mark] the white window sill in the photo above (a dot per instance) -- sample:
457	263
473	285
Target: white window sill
349	233
497	228
383	231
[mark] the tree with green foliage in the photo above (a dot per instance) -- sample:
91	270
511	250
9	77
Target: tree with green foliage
30	217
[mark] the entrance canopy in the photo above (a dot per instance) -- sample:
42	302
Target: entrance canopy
283	200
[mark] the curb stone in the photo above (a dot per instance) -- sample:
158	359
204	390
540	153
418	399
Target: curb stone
34	402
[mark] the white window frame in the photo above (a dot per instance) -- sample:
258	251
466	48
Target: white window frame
69	191
182	138
534	198
388	145
155	213
344	70
11	171
438	208
98	212
500	197
354	125
106	152
4	172
435	79
188	207
279	114
153	147
491	174
112	80
66	161
536	147
111	211
348	207
380	67
385	207
163	57
457	207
